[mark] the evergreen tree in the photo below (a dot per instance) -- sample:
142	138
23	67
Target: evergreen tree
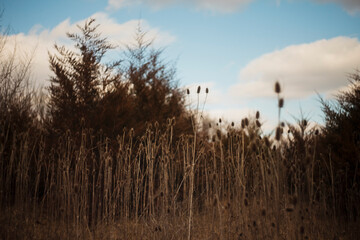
341	145
86	93
80	79
157	97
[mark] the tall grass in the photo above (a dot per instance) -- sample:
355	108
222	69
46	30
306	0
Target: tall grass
234	185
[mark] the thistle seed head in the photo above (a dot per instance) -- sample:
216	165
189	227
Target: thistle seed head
242	123
267	142
278	134
289	209
281	102
277	87
304	122
258	124
218	133
246	121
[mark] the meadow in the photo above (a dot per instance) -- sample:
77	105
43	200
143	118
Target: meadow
234	185
77	170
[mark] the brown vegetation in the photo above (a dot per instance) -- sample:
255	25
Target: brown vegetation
161	178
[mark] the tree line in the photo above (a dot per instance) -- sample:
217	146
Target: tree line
86	92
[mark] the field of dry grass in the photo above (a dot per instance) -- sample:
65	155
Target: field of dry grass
225	182
68	171
234	186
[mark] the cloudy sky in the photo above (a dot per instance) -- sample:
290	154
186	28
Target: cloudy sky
236	48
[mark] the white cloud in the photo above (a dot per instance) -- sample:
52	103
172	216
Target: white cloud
213	5
222	6
214	96
42	40
116	4
352	6
320	66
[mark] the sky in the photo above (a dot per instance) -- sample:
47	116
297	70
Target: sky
236	48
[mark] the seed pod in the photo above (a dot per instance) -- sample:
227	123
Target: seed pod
304	122
187	91
289	209
257	115
267	142
198	89
277	87
281	102
258	124
207	90
219	120
232	124
246	122
218	133
278	134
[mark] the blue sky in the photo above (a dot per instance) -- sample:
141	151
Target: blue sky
237	48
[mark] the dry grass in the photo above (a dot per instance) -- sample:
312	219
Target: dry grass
235	186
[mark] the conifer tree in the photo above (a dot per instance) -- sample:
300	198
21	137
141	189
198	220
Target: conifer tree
80	79
154	88
341	145
86	93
